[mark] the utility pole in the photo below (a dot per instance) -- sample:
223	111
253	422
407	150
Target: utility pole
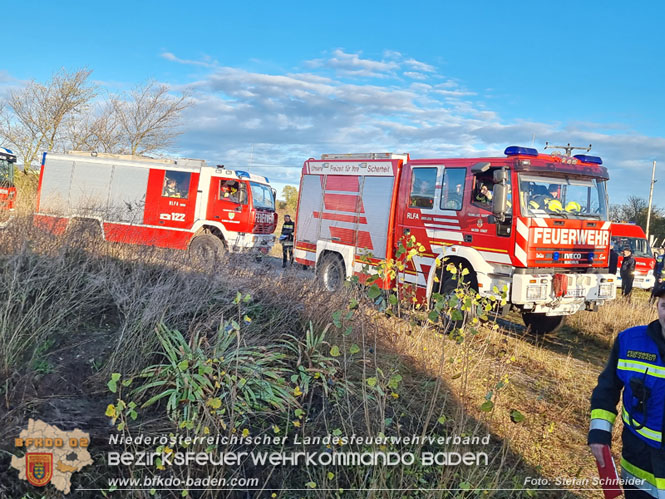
653	181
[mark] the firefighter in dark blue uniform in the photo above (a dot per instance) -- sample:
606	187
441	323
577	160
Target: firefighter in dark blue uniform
286	238
636	367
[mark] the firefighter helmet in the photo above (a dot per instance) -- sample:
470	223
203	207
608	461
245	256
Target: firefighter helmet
554	205
573	207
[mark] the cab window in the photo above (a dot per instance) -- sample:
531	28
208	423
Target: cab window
233	190
176	185
483	186
423	185
452	193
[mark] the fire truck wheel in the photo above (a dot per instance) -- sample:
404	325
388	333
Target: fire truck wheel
540	323
331	272
448	286
206	248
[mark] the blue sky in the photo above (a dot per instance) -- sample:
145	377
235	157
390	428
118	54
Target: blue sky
273	83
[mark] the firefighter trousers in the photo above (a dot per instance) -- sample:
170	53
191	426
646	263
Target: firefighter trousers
642	468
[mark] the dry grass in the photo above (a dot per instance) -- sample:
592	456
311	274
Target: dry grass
95	306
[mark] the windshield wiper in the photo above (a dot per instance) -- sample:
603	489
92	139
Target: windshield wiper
587	215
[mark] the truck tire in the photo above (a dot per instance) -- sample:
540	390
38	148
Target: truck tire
206	248
331	272
540	324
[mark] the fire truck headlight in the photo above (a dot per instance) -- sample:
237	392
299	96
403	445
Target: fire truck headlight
536	292
604	290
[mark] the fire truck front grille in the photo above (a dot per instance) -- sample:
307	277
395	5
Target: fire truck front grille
262	229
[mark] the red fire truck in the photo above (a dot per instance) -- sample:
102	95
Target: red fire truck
179	204
633	237
535	223
7	188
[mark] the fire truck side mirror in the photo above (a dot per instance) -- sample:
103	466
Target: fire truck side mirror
500	176
499	201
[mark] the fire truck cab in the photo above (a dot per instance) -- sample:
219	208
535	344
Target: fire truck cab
179	204
7	188
633	237
536	224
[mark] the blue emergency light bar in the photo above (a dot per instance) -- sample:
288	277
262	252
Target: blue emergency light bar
589	159
242	174
516	150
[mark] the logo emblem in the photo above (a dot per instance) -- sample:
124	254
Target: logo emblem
39	468
479	223
232	215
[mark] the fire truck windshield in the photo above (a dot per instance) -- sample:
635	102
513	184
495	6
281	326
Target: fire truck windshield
262	196
6	173
562	197
637	245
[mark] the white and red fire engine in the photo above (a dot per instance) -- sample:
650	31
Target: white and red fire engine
534	223
632	236
7	188
177	204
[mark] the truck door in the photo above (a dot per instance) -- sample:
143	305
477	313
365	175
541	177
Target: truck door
423	220
171	198
480	230
228	204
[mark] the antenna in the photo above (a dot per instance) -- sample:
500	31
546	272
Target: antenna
568	148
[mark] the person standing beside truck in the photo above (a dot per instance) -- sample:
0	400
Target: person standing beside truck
636	367
286	238
614	258
658	269
627	272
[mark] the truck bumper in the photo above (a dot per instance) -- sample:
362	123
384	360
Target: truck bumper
640	281
253	243
535	293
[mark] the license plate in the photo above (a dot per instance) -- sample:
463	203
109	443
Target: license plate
576	292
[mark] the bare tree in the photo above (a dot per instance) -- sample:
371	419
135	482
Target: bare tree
148	118
33	118
96	131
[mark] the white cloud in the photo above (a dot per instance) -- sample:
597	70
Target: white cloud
419	66
169	56
283	119
274	121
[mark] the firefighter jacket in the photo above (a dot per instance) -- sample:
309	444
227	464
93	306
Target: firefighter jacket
660	259
627	267
614	261
286	237
637	367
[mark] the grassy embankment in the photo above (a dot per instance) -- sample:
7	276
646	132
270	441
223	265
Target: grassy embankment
249	351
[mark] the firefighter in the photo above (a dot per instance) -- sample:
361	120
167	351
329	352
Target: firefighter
627	272
614	258
230	191
660	260
171	189
659	255
637	367
286	238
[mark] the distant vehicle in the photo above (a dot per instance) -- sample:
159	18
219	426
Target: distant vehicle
7	187
632	236
170	203
533	223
